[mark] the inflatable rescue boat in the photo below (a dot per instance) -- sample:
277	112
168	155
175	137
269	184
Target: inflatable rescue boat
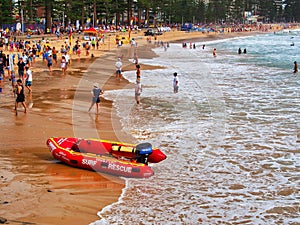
115	158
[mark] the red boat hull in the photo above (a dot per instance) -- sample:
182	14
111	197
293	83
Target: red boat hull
97	155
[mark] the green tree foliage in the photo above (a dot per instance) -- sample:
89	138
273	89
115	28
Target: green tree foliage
292	10
29	8
155	11
6	12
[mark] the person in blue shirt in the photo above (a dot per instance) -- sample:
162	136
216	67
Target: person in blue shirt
50	61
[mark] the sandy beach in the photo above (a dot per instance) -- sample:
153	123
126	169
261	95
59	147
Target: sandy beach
35	188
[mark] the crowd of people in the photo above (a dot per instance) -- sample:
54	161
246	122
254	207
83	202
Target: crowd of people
24	53
18	60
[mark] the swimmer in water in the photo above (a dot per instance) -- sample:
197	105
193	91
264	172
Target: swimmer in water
295	67
215	52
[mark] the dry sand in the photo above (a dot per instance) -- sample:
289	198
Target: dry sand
36	189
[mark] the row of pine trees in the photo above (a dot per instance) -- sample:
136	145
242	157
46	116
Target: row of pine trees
152	11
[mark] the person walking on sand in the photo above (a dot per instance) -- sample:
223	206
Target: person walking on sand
28	80
20	96
67	58
63	65
138	91
175	83
54	54
50	62
96	92
295	67
118	69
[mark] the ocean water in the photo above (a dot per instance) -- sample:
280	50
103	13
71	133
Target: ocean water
231	134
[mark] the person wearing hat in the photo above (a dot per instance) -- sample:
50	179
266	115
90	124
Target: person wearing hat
175	83
96	92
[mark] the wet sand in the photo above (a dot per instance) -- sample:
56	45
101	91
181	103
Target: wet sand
35	188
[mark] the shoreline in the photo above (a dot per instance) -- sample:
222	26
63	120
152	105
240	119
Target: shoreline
35	187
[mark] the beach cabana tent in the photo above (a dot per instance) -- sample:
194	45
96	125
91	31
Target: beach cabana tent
90	33
90	30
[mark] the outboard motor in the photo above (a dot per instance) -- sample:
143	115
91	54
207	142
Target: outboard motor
143	151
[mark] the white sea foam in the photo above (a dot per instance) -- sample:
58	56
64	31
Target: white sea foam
230	135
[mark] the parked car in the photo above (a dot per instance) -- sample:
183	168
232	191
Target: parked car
152	32
187	27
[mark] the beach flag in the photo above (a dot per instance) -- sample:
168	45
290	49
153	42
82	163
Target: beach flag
129	32
70	39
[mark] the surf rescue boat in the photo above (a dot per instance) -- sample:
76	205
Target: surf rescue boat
115	158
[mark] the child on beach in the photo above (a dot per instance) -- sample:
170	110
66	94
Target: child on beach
63	64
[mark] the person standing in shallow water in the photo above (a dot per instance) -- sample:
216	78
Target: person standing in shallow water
175	83
20	96
96	92
138	71
295	67
28	80
138	91
50	61
119	69
215	52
